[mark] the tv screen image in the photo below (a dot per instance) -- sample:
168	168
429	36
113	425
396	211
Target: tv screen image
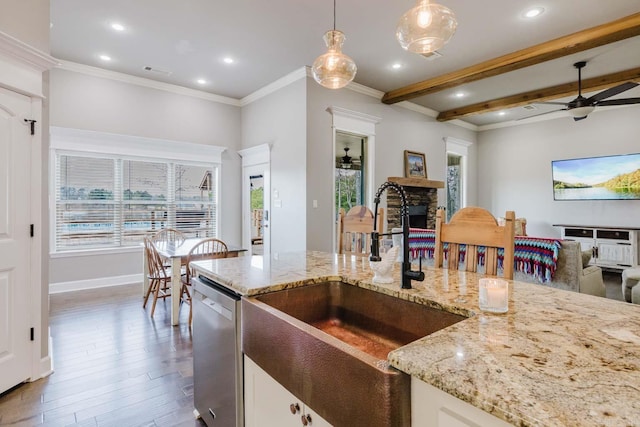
597	178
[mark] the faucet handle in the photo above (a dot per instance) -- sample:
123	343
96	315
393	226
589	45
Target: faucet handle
375	247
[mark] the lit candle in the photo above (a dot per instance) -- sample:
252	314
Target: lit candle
493	295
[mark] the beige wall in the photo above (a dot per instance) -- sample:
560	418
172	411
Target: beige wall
82	101
280	119
516	169
399	129
27	21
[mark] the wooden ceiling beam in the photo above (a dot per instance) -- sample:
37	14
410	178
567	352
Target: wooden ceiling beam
541	95
577	42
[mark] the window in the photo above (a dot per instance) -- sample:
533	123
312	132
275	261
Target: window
110	200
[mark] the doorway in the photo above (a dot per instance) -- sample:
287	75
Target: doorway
350	170
256	234
256	207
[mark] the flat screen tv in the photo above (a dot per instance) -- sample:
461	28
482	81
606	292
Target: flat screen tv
597	178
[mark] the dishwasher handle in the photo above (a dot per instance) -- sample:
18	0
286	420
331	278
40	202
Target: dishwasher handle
218	308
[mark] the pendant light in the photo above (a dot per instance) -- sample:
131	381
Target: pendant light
334	69
426	28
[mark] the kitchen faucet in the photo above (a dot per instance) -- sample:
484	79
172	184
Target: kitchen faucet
407	274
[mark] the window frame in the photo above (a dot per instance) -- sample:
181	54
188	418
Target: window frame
76	142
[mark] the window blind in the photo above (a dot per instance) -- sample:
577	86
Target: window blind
106	202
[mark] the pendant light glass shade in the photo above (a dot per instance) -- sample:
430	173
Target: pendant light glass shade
426	28
334	69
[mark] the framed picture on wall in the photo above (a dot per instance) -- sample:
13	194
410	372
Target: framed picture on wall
415	165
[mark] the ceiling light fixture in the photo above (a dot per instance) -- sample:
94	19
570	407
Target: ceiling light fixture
105	57
426	28
228	60
201	81
502	113
334	69
459	95
117	27
533	12
396	66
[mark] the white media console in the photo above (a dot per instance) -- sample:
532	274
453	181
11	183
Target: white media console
612	247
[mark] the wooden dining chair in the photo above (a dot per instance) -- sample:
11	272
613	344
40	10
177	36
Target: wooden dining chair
169	235
354	230
159	276
206	249
475	227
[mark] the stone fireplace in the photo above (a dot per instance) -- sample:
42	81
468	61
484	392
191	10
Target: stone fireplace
422	199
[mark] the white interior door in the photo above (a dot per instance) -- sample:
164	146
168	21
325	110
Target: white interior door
15	152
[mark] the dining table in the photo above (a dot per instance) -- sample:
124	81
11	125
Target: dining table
177	253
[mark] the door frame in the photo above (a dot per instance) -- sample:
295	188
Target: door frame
256	160
355	123
21	70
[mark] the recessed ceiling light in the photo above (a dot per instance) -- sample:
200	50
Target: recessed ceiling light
201	81
502	113
228	60
396	66
533	12
105	57
118	27
459	94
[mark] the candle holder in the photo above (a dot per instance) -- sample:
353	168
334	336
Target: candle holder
493	295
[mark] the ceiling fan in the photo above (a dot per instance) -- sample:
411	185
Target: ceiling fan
348	162
580	107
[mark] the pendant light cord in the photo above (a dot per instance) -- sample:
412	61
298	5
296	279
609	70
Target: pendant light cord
334	15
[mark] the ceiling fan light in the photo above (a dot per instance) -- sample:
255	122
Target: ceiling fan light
581	112
426	27
334	69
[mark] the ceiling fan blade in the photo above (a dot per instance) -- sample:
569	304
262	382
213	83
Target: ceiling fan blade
625	101
551	103
611	92
542	114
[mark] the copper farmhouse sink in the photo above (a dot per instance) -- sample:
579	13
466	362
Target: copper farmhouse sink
327	344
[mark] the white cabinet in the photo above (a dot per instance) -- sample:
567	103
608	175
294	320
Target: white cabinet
611	247
431	407
269	404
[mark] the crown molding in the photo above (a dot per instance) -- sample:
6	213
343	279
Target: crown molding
144	82
294	76
25	53
339	111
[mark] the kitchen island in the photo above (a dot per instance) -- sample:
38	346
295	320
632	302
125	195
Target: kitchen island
557	358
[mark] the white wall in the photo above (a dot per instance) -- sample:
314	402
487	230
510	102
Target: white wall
86	102
515	165
400	129
27	21
280	119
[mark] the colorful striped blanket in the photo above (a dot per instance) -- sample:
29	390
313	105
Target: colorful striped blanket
533	256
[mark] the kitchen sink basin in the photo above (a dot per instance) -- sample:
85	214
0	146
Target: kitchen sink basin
327	343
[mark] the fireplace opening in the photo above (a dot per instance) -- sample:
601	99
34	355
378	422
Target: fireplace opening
418	216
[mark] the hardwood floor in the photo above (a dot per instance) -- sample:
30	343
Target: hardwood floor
114	366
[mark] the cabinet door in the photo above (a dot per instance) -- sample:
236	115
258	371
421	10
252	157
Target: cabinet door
431	407
614	254
316	420
267	403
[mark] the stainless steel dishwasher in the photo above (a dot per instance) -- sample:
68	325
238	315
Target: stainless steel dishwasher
217	357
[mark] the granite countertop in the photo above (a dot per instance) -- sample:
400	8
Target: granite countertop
557	358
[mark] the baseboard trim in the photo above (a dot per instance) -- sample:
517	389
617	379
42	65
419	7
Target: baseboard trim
46	363
101	282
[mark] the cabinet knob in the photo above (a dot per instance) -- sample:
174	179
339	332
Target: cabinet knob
294	408
306	420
